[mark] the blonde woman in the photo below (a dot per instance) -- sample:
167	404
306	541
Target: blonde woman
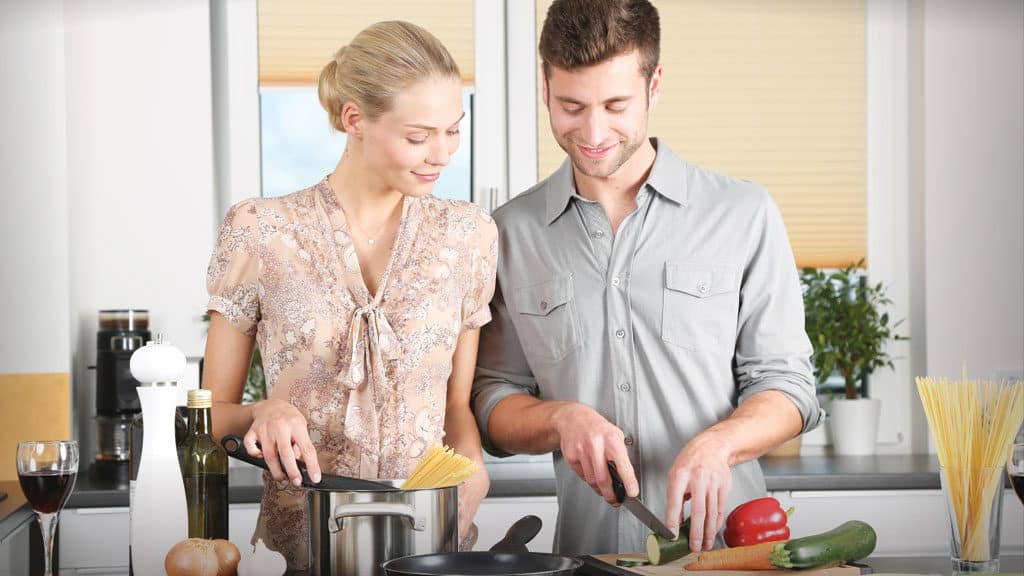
364	292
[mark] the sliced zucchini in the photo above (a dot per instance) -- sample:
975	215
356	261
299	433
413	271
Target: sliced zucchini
662	551
631	561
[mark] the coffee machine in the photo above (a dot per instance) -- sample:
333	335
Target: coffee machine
121	333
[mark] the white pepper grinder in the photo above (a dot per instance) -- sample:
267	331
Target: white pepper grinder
158	513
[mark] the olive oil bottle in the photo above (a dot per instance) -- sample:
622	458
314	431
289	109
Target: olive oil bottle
204	468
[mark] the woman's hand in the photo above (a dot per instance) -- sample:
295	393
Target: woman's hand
471	492
279	435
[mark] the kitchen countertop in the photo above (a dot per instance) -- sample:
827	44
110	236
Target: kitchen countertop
14	510
925	565
107	486
98	487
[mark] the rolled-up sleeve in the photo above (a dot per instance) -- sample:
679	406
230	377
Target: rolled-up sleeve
232	278
501	369
772	348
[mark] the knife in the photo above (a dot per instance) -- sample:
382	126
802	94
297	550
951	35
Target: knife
636	507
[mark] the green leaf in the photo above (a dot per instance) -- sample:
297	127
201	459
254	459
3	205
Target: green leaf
847	320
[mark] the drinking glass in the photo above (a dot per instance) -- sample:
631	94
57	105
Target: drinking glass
1015	468
47	472
974	500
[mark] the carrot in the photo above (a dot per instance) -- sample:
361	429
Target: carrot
753	557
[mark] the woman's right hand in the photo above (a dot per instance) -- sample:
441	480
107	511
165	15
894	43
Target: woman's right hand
279	435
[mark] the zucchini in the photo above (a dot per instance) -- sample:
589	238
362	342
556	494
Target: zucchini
662	551
847	542
631	561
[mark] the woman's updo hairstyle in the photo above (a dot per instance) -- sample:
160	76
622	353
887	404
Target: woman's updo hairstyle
378	64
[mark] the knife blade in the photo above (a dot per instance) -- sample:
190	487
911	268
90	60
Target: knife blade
636	507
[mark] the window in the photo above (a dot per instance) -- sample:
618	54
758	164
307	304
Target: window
296	39
299	146
773	92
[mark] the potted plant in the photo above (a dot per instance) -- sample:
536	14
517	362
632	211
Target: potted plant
849	327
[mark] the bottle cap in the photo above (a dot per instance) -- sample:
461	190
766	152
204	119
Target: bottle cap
200	398
158	363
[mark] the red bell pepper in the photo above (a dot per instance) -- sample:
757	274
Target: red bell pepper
760	520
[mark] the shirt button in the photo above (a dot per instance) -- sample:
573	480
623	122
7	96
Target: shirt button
628	440
544	305
598	234
620	333
615	281
624	386
702	287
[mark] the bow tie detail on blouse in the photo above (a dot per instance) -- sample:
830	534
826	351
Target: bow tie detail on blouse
372	342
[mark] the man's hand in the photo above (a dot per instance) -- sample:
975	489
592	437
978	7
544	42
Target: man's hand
588	442
700	474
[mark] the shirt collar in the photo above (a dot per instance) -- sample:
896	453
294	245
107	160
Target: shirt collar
667	178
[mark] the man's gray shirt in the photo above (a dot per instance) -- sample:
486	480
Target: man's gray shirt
664	327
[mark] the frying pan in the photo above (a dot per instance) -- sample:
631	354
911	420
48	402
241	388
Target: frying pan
508	557
233	446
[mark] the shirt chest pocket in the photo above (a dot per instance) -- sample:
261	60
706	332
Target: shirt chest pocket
546	319
701	304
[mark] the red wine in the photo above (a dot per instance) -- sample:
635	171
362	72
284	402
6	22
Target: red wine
47	490
1018	485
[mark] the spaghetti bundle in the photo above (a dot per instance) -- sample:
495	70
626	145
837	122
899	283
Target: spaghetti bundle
973	424
441	467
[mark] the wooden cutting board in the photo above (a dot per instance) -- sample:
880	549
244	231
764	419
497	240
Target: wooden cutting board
679	567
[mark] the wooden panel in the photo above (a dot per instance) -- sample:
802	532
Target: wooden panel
34	407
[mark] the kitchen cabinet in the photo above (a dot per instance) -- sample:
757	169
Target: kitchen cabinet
95	540
15	549
908	522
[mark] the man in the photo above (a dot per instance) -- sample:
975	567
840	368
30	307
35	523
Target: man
648	311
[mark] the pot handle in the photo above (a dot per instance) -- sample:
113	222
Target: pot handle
353	510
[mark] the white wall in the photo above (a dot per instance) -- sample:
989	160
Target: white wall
140	171
973	179
33	202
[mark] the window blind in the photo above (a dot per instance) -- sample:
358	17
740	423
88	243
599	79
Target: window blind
298	37
770	91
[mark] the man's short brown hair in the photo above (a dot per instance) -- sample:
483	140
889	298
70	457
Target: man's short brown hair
582	33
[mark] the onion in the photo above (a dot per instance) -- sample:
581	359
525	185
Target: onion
199	557
227	557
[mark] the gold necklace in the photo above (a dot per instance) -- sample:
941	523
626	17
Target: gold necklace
371	239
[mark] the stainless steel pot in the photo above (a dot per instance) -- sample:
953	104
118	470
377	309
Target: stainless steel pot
356	525
353	532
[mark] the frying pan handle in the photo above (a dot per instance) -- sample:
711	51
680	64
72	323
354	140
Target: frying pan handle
357	509
236	449
519	535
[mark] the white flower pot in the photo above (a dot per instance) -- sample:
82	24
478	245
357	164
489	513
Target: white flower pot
854	425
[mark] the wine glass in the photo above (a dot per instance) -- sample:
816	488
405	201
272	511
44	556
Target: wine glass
47	472
1015	468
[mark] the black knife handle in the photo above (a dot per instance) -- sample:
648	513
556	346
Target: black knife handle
617	486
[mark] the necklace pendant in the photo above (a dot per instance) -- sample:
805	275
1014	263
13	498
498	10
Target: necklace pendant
371	241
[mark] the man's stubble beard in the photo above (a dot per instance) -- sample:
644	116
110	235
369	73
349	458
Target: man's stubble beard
589	167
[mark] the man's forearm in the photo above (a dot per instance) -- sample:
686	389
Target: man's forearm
522	424
761	423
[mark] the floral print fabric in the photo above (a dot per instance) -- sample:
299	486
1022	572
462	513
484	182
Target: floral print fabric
368	372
